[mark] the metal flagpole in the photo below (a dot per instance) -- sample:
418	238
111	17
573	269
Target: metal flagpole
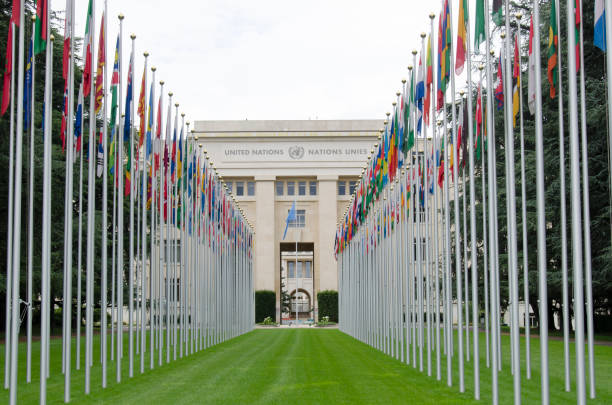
131	263
161	235
16	246
91	204
143	232
79	243
575	202
174	246
153	263
539	144
456	211
46	232
587	219
492	202
119	175
608	17
9	236
104	294
524	211
31	60
465	232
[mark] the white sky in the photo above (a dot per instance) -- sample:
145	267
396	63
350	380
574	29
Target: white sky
271	59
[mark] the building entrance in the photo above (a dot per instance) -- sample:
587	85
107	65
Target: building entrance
297	294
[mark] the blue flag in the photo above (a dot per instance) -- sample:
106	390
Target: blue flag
290	217
27	94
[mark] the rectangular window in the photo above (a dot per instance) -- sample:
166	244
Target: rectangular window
280	188
302	188
308	269
299	270
313	187
291	188
341	187
352	185
240	188
229	186
290	269
251	188
300	219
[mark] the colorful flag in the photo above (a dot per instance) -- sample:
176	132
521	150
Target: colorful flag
553	43
158	135
516	83
114	89
531	87
27	91
499	83
150	122
142	110
78	124
461	36
478	145
577	22
420	94
100	160
8	70
87	56
429	81
100	68
127	127
599	34
444	43
479	27
40	30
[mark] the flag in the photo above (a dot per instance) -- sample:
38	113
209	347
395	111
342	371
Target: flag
158	134
516	83
27	91
150	121
291	216
499	84
100	68
40	30
142	110
420	94
100	167
479	27
114	89
67	39
87	56
498	12
78	124
553	43
408	117
8	70
599	32
478	131
127	127
531	87
444	43
429	81
577	22
461	36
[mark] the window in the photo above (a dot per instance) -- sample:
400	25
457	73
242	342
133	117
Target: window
341	187
352	185
300	219
290	269
308	269
313	187
299	270
240	188
251	188
291	188
280	187
229	186
301	187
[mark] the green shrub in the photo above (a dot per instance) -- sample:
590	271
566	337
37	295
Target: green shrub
265	305
328	304
268	321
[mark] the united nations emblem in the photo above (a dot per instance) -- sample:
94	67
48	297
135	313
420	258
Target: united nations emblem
296	152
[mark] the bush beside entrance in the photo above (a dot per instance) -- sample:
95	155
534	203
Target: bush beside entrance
328	304
265	302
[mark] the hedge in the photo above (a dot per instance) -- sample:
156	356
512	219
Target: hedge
328	304
265	305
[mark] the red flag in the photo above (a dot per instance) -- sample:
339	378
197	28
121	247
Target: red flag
100	68
8	71
141	112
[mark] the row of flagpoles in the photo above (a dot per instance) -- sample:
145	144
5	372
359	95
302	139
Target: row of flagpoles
188	265
401	235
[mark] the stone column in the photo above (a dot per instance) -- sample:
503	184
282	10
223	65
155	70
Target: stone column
265	249
325	265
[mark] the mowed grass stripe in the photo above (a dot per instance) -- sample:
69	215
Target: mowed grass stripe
305	366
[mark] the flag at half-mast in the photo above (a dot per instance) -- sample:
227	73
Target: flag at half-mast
87	48
100	68
461	36
40	29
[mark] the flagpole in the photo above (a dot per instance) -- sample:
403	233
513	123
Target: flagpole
492	202
577	253
16	255
30	211
120	208
153	263
104	303
131	265
587	218
80	240
175	243
465	229
608	17
161	227
143	233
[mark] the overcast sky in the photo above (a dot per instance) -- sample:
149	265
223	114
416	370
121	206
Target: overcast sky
271	59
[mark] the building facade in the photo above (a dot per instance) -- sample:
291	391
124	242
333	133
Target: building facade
271	165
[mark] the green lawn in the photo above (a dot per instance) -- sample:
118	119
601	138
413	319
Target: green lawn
300	366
